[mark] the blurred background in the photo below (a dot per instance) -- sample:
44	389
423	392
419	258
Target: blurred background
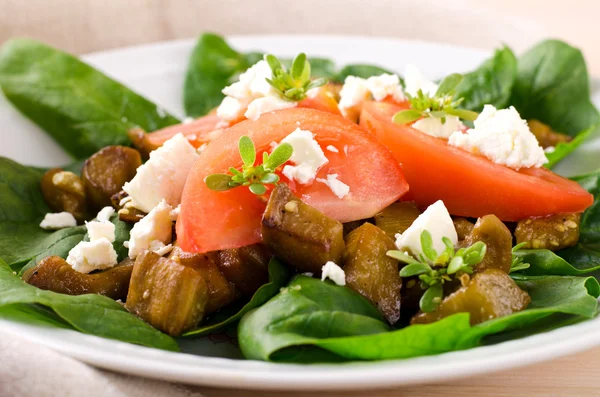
82	26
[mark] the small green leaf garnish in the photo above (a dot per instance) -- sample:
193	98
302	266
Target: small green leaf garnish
292	85
517	262
255	177
439	105
435	269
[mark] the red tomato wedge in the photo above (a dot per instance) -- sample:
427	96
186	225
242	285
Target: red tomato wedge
211	220
470	185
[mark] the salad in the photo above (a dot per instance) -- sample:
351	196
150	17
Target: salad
321	214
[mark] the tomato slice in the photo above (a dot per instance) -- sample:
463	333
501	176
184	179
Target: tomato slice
211	220
324	100
470	185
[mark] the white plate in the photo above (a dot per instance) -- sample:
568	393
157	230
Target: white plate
157	71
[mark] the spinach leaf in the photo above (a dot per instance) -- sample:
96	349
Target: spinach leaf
564	149
491	83
553	86
361	70
278	276
310	313
81	108
91	314
545	262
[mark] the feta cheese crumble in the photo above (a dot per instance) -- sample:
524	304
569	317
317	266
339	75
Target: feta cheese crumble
307	156
97	230
267	104
433	126
415	81
333	272
385	85
503	137
98	253
163	176
105	214
332	149
437	221
339	188
157	225
356	90
160	248
59	220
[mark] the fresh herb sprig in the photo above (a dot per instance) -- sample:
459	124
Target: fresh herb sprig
435	269
292	85
255	177
517	262
439	105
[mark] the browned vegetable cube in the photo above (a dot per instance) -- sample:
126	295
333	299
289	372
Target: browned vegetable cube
488	295
553	232
545	135
166	294
463	227
370	272
55	274
498	240
105	173
397	217
141	142
64	191
299	234
246	267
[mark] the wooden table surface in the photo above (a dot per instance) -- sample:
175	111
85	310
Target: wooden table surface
89	25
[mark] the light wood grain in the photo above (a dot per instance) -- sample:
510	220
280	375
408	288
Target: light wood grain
82	26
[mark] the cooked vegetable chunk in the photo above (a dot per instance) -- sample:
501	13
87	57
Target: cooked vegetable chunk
166	294
221	292
64	191
55	274
397	217
498	240
246	267
552	232
299	234
127	212
488	295
463	227
105	173
545	135
370	272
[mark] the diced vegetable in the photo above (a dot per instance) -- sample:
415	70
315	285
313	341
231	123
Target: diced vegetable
397	218
64	191
545	135
246	267
552	232
370	272
55	274
488	295
166	294
105	173
498	240
463	227
299	234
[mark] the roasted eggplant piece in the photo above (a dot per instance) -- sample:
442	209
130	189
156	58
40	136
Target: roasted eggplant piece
127	212
221	292
299	234
166	294
498	240
397	218
545	135
55	274
463	227
105	173
488	295
370	272
64	191
553	232
246	267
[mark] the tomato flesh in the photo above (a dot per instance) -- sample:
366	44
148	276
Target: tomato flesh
470	185
212	220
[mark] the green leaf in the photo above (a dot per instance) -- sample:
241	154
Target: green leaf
401	256
270	178
455	264
91	314
427	246
298	66
563	149
280	155
247	151
219	182
462	113
414	269
431	298
274	63
448	84
545	262
553	87
407	116
81	108
257	188
278	276
491	83
361	70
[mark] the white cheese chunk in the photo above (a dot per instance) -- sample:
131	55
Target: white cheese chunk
267	104
437	221
415	81
307	156
163	176
59	220
97	230
157	225
385	85
160	248
231	109
105	214
339	188
433	126
353	93
332	149
503	137
88	256
333	272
